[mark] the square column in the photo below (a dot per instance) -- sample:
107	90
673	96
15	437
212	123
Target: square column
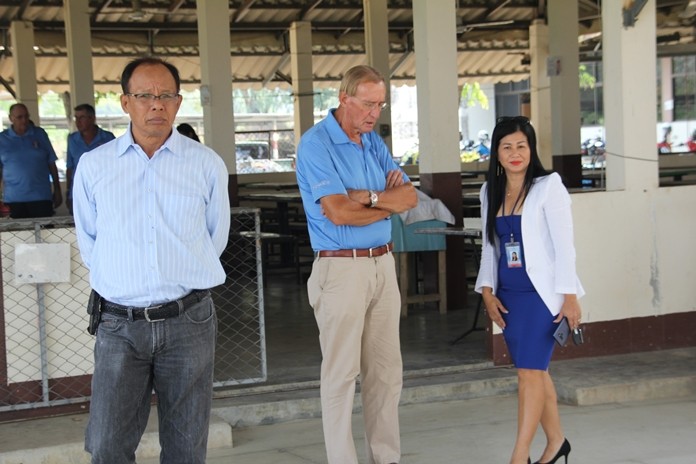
79	43
435	39
22	33
540	89
562	67
302	76
630	94
377	47
216	80
435	36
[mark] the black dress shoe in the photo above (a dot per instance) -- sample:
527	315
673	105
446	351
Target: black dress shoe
564	451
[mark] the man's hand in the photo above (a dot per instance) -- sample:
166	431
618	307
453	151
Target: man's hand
57	198
394	178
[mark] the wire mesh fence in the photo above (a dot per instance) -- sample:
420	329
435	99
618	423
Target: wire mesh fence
45	351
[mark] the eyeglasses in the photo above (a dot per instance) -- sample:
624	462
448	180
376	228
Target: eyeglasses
371	106
150	98
522	120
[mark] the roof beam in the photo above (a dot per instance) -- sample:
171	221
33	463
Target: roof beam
243	10
23	9
97	12
281	62
308	9
402	59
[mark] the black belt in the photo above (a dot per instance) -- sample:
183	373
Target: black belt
158	312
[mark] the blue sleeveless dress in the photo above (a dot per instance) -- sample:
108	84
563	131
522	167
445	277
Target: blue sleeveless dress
529	325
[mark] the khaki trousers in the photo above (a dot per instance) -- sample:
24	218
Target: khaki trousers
356	303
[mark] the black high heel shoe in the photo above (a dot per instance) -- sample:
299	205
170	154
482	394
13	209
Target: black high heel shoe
564	451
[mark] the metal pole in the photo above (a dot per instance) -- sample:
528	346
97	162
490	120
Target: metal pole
42	328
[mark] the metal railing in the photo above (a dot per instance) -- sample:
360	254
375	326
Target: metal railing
45	352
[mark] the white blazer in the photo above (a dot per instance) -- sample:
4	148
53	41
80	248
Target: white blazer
547	233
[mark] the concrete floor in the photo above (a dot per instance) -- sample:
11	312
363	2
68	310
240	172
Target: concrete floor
482	430
292	337
456	407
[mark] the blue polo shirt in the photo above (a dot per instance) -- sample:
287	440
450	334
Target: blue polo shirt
77	147
25	160
329	163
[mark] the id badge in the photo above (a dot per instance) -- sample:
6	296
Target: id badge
513	252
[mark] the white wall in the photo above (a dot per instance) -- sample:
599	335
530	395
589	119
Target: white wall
636	254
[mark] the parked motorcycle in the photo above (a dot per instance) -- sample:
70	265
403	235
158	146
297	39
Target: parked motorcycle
593	153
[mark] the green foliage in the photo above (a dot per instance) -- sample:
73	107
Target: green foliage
262	101
473	95
587	80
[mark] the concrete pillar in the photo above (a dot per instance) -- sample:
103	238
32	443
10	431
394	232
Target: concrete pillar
436	81
22	34
562	66
79	44
540	89
435	38
302	76
377	47
216	83
630	115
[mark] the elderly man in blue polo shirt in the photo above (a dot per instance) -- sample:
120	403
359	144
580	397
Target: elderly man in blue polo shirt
350	186
88	136
28	164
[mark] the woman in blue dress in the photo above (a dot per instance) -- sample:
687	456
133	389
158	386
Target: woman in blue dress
527	275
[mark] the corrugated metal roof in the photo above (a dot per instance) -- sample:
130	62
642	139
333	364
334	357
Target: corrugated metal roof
492	38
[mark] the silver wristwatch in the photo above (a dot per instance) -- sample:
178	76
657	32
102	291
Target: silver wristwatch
374	198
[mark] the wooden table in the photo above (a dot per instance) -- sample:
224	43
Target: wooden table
270	186
282	201
471	235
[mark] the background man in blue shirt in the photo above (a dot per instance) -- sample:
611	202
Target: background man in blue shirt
350	186
152	217
88	136
28	164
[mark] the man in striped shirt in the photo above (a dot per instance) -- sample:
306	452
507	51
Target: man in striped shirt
152	217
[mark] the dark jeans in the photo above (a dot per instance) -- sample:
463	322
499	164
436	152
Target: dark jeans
175	357
31	209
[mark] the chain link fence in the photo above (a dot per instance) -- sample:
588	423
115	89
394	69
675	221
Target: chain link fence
45	351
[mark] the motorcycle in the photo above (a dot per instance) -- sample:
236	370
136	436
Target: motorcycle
593	153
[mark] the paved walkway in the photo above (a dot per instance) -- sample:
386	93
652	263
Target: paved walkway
635	408
482	431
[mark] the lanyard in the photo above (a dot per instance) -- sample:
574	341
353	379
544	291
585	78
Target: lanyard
519	195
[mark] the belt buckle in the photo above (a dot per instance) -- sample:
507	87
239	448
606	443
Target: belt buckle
146	313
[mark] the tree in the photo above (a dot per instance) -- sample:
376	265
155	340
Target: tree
587	80
472	95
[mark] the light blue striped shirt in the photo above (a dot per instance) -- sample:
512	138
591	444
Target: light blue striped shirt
151	230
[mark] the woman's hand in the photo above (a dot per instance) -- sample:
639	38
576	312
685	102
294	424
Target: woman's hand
494	308
571	310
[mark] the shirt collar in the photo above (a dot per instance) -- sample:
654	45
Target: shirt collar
172	144
338	135
336	132
30	130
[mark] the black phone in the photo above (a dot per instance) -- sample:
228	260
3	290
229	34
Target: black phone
562	332
94	310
